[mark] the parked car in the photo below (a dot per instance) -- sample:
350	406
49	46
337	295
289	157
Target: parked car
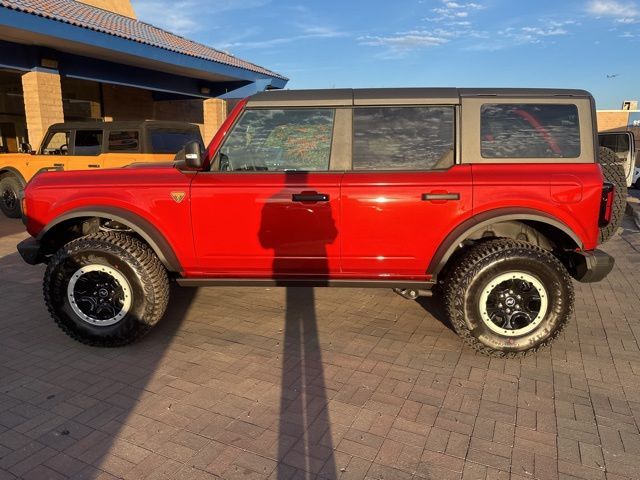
91	145
623	145
491	198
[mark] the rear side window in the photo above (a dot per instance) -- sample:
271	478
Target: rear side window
88	142
529	131
403	138
124	141
619	143
279	140
166	140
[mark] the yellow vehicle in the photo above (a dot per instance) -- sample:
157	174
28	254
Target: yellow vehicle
91	145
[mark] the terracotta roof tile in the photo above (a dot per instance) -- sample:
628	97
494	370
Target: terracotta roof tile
93	18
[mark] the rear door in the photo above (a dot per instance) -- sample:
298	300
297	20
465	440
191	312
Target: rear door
404	192
623	144
86	149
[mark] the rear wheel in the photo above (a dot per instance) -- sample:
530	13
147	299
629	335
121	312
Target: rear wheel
106	289
10	189
508	298
613	172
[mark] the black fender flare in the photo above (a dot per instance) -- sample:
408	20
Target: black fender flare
484	219
15	173
139	225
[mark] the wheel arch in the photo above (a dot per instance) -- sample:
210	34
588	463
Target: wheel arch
555	232
13	171
60	226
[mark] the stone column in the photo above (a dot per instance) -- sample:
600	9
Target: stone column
214	114
42	103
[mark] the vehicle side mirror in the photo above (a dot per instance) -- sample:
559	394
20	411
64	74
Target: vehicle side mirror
190	157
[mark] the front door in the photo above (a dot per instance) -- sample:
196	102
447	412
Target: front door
404	193
269	207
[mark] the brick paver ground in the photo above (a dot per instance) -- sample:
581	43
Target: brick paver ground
293	383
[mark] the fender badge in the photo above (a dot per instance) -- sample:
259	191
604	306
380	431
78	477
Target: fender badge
177	196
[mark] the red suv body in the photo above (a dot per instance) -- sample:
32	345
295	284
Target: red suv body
352	188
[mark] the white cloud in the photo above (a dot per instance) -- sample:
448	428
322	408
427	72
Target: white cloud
405	40
454	10
183	16
621	11
305	32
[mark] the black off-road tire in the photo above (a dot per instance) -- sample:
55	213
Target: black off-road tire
10	190
134	260
613	171
483	263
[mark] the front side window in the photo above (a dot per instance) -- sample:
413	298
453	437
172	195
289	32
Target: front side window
124	141
279	140
57	143
403	138
88	142
529	131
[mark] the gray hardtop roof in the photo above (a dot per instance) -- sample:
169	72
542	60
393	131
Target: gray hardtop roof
122	125
346	97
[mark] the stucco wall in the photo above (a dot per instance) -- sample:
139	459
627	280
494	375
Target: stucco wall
612	120
123	7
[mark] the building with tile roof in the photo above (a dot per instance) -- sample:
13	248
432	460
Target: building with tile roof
92	59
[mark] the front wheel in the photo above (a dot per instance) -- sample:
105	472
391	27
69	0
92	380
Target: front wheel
106	289
509	298
10	189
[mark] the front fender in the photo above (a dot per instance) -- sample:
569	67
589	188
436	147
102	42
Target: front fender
149	233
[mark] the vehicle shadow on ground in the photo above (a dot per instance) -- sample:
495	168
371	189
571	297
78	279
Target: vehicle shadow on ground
435	307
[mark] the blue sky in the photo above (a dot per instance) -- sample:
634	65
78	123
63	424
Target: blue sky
483	43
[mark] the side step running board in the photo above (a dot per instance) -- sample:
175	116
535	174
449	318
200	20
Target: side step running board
313	282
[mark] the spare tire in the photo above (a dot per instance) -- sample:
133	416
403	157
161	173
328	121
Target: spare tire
613	172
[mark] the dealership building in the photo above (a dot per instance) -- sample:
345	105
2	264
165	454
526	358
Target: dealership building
68	60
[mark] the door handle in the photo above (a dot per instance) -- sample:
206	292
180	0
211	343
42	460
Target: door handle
93	165
440	196
310	197
58	164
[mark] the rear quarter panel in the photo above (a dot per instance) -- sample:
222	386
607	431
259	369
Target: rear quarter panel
567	192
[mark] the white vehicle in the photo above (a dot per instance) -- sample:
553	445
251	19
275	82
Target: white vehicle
623	144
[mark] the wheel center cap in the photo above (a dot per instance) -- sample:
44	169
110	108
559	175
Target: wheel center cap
103	292
510	301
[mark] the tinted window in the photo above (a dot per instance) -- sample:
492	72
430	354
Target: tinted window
124	141
619	143
277	140
57	144
88	142
403	138
530	131
165	140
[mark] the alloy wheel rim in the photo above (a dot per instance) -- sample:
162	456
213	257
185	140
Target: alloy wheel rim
513	303
9	198
99	295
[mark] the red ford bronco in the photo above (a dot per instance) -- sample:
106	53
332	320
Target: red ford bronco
495	197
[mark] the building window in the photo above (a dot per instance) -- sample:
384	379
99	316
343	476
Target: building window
403	138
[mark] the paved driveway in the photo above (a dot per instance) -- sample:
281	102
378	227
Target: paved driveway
333	383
